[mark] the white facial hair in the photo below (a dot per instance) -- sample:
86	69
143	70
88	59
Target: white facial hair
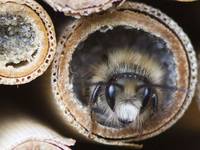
127	112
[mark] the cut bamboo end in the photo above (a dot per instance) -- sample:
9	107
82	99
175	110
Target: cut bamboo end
79	8
27	41
83	42
19	132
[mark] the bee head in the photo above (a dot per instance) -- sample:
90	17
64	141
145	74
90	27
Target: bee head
125	88
128	94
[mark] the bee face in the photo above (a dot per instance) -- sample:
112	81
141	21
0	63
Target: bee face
127	95
123	91
125	99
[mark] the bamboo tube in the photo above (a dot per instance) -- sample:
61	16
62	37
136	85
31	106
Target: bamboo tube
27	41
75	48
79	8
19	131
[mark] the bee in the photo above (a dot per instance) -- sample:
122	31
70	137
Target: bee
124	89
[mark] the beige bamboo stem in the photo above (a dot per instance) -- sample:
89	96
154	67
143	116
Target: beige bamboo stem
19	131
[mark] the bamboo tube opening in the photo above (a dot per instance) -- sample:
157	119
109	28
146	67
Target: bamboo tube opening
84	43
27	41
78	8
97	46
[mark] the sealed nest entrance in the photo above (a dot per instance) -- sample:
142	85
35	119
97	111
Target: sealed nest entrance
18	43
23	40
96	48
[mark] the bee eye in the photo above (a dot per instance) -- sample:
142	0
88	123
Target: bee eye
110	95
111	91
145	92
147	96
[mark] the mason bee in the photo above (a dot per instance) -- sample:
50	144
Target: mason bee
125	89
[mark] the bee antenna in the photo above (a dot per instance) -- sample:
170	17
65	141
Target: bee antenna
95	92
166	87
